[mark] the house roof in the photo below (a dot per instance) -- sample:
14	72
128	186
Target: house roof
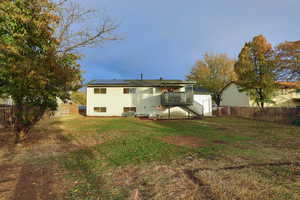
289	84
226	86
200	90
282	84
140	83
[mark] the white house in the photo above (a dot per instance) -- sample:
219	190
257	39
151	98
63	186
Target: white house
6	101
144	97
287	95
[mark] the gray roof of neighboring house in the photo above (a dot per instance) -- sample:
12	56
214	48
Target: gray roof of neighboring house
200	90
140	83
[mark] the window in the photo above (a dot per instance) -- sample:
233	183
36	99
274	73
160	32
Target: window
129	109
283	91
100	109
129	90
99	90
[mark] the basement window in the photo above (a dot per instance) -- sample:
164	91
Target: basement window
100	109
129	109
99	90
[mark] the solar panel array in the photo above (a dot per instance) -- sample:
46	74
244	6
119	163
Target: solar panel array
113	81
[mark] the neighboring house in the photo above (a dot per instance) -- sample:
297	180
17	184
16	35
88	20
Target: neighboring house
287	95
6	101
66	109
63	109
142	97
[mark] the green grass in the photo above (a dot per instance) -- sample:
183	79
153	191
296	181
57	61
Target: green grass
132	142
137	149
86	171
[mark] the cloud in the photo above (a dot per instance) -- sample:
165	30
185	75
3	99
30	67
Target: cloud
165	38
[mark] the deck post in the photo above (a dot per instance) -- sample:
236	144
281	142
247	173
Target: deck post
169	112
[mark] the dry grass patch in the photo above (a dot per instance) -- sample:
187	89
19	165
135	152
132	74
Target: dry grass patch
247	184
154	182
32	182
187	141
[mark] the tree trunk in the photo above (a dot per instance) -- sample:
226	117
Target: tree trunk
218	100
25	119
21	132
262	106
21	135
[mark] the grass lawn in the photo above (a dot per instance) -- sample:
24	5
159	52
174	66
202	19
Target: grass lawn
126	158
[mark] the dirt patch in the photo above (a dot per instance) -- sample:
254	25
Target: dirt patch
220	142
32	182
188	141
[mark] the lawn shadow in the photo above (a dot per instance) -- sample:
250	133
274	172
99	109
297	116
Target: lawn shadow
7	136
27	170
84	166
44	134
35	183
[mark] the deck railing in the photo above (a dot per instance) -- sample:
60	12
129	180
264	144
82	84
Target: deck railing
177	98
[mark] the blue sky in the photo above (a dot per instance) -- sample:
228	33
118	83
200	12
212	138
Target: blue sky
164	38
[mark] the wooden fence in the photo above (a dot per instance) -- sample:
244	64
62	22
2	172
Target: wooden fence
6	115
66	109
284	115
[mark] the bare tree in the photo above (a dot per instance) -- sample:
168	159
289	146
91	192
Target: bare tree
79	27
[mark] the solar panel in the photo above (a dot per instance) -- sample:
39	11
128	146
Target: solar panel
136	82
113	81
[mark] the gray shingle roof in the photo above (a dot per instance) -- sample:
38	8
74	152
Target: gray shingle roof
140	83
200	90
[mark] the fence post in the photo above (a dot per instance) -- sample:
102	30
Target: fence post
229	110
219	111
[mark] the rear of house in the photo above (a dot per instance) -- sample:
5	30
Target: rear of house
140	97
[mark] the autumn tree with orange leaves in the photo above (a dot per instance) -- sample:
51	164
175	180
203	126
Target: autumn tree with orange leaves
255	69
288	60
39	54
214	72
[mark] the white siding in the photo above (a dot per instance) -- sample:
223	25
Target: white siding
7	101
206	102
283	98
115	100
233	97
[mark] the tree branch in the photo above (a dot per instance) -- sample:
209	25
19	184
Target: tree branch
70	37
